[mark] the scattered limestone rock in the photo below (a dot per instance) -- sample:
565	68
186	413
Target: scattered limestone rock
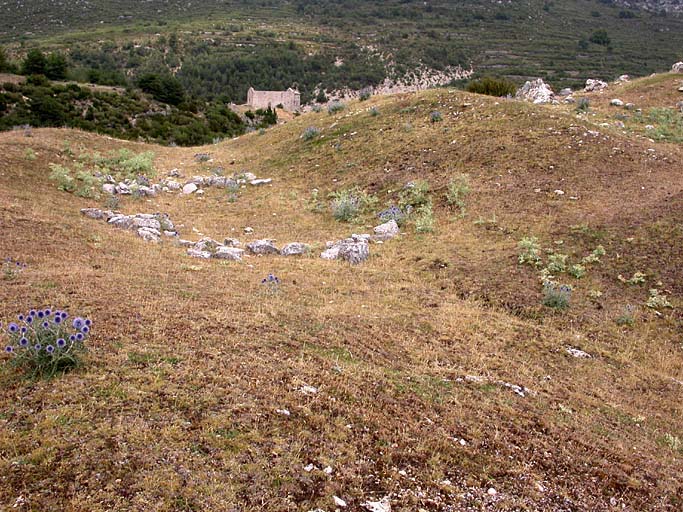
630	106
677	68
228	253
174	173
295	249
109	188
624	78
231	242
123	189
149	234
172	185
260	181
386	231
616	102
537	92
248	230
338	501
567	91
262	247
384	505
190	188
575	352
96	213
594	85
354	250
194	253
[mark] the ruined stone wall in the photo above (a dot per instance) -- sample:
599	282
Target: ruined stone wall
289	99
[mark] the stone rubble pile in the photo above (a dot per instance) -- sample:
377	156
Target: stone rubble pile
537	92
148	226
594	85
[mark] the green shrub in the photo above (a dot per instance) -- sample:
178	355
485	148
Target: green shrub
492	86
424	219
61	175
458	189
557	263
577	271
310	133
556	296
529	252
335	107
365	94
435	117
414	195
30	155
348	204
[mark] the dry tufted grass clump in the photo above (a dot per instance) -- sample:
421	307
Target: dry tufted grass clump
429	373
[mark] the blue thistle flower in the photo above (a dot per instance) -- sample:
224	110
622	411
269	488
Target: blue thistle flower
9	349
29	319
85	329
13	327
21	318
45	325
50	349
24	330
40	314
72	338
47	312
79	337
77	323
58	320
61	342
32	312
23	342
64	315
37	347
88	322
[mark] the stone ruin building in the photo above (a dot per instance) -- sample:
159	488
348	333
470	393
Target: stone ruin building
289	99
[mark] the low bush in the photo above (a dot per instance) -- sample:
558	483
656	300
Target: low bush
335	107
458	189
492	86
556	296
348	204
43	343
310	133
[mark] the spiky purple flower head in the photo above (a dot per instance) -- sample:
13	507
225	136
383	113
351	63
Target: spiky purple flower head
45	325
88	322
61	342
37	347
64	315
29	319
50	349
9	349
79	337
85	329
13	327
23	342
58	320
47	312
24	330
77	323
40	314
21	318
72	338
32	312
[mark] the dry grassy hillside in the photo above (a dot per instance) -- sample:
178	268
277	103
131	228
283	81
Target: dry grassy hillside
180	405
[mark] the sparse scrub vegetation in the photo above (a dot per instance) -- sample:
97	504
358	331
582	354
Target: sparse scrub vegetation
335	107
458	190
347	205
310	133
435	116
556	296
529	252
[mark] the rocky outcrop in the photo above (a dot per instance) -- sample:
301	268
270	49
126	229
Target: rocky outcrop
537	92
386	231
677	68
355	249
151	227
295	249
593	84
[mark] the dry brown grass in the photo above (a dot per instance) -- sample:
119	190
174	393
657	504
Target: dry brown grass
176	408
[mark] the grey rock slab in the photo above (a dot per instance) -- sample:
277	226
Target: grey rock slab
229	253
109	188
190	188
194	253
295	249
262	247
260	181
